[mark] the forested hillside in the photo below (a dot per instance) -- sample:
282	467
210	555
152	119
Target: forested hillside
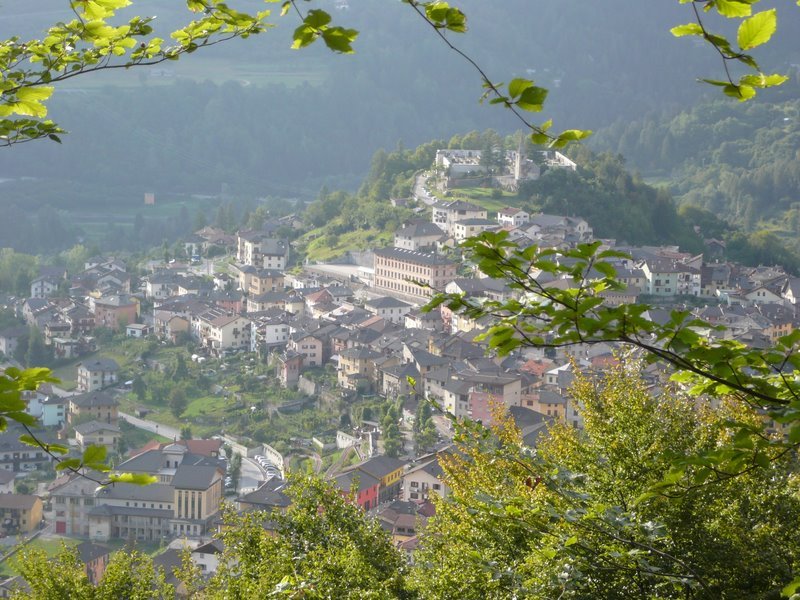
260	118
738	161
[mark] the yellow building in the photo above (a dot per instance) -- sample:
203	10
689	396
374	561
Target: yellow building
20	513
388	471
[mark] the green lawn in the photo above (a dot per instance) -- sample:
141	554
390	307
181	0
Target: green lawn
327	247
483	198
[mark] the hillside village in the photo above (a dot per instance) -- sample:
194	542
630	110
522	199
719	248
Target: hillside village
345	333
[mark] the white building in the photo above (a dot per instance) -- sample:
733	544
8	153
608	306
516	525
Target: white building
512	217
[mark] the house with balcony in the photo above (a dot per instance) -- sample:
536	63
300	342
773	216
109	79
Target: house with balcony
21	458
423	480
220	332
446	214
96	374
512	217
261	250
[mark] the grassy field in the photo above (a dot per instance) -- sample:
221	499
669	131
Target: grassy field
325	248
483	198
68	372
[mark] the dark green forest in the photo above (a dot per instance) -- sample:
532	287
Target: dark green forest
738	161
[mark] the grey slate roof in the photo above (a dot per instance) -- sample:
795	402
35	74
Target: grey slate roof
347	481
155	492
269	495
381	466
89	551
94	426
100	364
93	399
194	477
387	302
412	256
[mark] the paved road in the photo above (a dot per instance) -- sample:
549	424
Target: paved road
251	476
419	191
152	426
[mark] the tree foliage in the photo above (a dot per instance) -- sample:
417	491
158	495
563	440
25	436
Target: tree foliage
129	574
324	548
575	519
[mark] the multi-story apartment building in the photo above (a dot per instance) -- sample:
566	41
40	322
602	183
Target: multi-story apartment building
115	311
388	308
258	249
309	346
417	274
357	368
73	498
447	214
265	280
20	458
96	374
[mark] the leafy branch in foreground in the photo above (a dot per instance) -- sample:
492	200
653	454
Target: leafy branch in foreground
521	94
566	519
90	43
557	316
754	30
13	382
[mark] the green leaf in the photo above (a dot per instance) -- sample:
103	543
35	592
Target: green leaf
792	588
134	478
317	18
30	440
688	29
540	138
68	463
339	39
757	30
94	454
517	86
740	92
532	99
57	449
763	81
733	8
34	94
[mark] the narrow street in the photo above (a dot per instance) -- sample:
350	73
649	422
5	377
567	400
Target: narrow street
151	426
